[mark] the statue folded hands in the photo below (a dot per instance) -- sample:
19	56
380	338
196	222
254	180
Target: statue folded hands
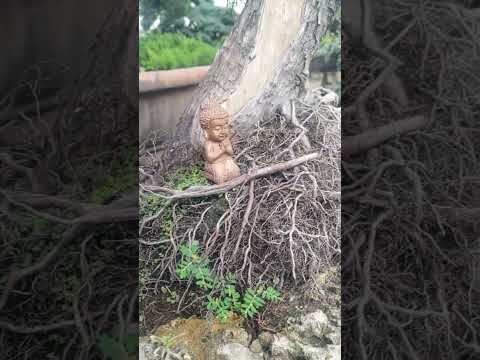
217	149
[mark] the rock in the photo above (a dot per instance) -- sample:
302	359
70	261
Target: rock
281	348
235	351
313	336
284	348
330	352
145	350
256	347
316	324
265	339
236	335
334	352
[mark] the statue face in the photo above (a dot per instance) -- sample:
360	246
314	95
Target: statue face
218	130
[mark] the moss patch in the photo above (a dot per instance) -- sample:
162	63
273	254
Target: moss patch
195	335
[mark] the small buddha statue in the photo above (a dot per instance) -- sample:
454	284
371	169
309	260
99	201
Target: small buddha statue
217	149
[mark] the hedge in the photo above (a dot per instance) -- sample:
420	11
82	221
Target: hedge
164	51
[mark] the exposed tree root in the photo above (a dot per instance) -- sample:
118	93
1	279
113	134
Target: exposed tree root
277	224
353	145
410	213
67	258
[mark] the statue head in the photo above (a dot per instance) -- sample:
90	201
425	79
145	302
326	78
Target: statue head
214	121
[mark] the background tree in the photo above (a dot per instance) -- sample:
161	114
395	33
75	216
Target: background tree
210	23
171	13
263	64
200	18
328	55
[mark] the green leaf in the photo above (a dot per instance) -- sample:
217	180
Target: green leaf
271	294
252	303
214	304
223	314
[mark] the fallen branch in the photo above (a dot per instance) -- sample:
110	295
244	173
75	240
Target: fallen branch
201	191
352	145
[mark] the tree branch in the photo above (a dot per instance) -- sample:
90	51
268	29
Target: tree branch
201	191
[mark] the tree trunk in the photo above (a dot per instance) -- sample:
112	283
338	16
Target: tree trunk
263	64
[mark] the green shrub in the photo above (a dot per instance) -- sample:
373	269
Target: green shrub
165	51
183	178
228	300
330	49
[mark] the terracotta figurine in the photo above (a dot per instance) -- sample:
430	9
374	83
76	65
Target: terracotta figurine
217	149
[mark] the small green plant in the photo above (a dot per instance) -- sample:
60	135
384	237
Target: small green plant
182	179
194	266
229	300
252	303
220	307
151	204
271	294
172	296
167	341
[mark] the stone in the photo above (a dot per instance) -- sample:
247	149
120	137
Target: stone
217	149
316	324
256	347
312	336
334	352
236	335
234	351
201	338
281	348
265	339
146	350
284	348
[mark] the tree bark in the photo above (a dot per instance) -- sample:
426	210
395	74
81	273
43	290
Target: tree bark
262	65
